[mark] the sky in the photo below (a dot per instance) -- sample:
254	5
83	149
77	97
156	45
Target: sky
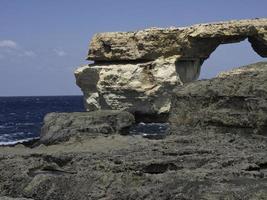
42	42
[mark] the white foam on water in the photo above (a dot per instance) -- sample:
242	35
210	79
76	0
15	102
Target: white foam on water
9	139
24	124
18	141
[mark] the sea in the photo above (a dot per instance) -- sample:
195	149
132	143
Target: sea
21	118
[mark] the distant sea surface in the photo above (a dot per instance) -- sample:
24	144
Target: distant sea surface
21	117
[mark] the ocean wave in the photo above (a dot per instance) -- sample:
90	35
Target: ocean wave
18	141
25	124
10	137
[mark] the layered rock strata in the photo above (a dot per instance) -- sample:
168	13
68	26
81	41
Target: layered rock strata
235	100
136	71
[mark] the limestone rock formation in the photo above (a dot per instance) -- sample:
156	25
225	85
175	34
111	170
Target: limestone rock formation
137	87
136	71
194	42
60	127
236	100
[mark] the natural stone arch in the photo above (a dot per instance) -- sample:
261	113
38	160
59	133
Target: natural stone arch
228	56
197	41
188	68
137	71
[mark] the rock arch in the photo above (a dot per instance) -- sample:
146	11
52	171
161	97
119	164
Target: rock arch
227	57
137	70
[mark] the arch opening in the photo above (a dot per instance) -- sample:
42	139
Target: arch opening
227	57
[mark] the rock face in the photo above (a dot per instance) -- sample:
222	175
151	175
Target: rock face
141	88
203	157
236	99
136	71
60	127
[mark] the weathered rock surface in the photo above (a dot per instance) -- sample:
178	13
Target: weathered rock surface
194	42
189	164
142	88
60	127
9	198
136	71
235	99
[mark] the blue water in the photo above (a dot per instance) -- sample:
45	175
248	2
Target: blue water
21	117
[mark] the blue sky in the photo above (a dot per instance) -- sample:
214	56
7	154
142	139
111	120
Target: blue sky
43	41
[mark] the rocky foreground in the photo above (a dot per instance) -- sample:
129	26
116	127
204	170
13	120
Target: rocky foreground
216	149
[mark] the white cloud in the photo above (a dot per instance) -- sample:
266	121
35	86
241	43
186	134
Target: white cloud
8	44
10	48
60	52
29	53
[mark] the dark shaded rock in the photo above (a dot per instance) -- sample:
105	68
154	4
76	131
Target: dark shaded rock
199	159
10	198
60	127
189	164
236	100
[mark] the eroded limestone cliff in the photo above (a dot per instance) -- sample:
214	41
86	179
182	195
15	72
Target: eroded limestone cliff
136	71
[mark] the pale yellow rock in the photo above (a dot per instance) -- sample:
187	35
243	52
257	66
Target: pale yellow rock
139	88
196	42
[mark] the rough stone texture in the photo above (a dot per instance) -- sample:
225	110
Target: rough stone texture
196	42
190	164
135	87
9	198
60	127
136	71
235	99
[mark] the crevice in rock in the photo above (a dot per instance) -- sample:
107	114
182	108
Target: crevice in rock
159	168
151	118
60	161
120	62
262	165
48	170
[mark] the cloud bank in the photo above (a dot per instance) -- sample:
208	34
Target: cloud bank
10	48
8	44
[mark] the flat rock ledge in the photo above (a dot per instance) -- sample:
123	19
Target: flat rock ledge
137	71
193	42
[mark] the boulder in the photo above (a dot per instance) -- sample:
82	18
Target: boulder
60	127
234	99
137	71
